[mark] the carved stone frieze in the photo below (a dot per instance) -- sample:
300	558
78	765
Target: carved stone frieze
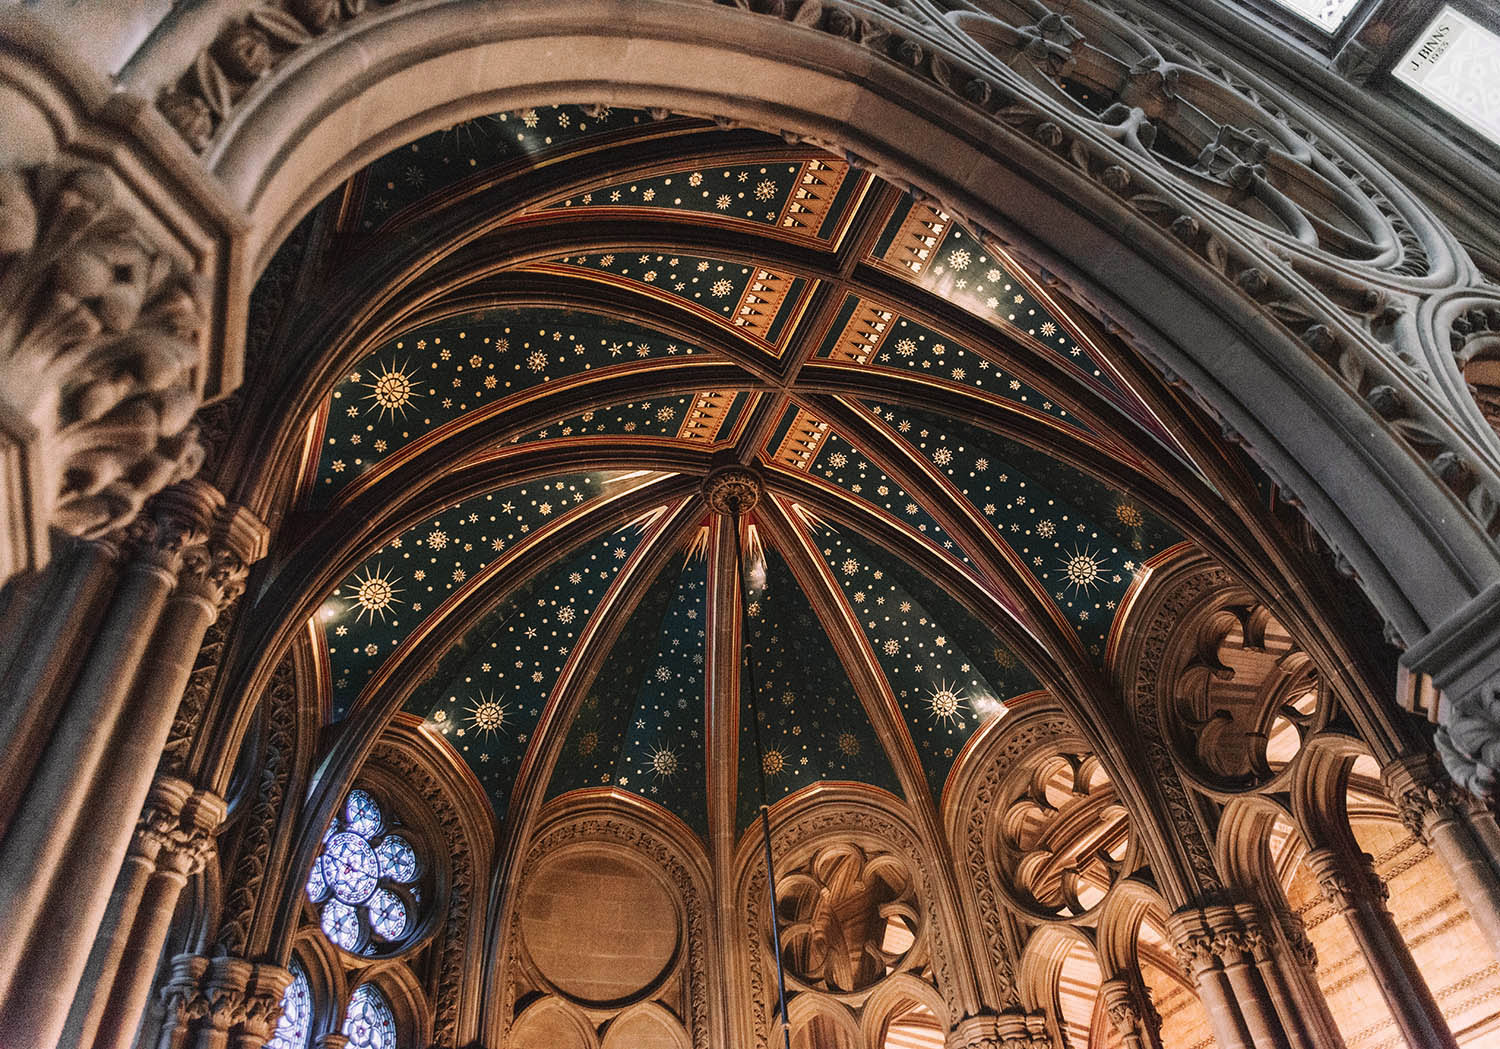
222	1000
1469	741
245	878
178	826
1424	793
1144	697
101	361
977	824
461	893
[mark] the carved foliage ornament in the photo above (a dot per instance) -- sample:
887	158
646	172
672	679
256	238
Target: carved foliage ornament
100	346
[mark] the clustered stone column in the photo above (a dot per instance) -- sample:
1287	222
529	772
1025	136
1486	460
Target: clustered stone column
221	1003
1349	882
1131	1012
117	681
1457	828
174	837
1011	1029
1221	948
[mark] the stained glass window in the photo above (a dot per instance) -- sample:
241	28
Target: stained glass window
1327	15
364	881
370	1023
295	1025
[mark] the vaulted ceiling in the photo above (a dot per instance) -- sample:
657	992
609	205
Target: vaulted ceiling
572	315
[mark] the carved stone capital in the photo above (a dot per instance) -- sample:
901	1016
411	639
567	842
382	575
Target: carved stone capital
178	826
223	997
1130	1008
263	1003
102	346
191	532
1216	936
1423	793
1346	879
1469	740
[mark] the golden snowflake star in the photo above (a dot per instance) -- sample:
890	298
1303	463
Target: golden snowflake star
588	743
392	390
848	743
487	714
375	593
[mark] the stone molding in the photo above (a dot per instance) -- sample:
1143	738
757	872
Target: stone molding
665	856
802	831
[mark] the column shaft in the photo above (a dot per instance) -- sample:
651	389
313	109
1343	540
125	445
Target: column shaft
1350	883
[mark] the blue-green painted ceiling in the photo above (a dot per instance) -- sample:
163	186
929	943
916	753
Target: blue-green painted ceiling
948	676
489	689
1083	540
709	417
435	374
640	727
396	589
906	345
441	160
812	724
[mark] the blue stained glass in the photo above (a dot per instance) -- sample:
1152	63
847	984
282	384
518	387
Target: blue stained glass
295	1025
370	1023
341	924
317	885
350	866
398	860
362	813
387	914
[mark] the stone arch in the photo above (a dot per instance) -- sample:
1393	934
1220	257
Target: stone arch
553	1022
893	997
826	1017
1039	974
846	816
272	149
646	1025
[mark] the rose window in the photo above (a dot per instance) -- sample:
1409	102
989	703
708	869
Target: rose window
365	880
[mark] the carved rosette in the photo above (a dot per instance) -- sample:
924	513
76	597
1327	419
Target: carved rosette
101	362
732	490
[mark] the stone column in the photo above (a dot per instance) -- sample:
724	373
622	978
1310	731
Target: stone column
1131	1012
1457	829
221	1003
170	850
1011	1029
1216	945
1350	883
193	554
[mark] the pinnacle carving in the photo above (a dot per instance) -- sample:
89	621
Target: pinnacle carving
100	360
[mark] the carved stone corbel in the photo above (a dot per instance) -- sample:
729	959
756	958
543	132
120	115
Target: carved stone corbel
102	339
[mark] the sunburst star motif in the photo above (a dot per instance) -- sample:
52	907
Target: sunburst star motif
375	593
946	703
391	390
1083	568
487	715
663	762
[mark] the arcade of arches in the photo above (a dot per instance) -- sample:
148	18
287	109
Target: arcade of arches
1106	617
